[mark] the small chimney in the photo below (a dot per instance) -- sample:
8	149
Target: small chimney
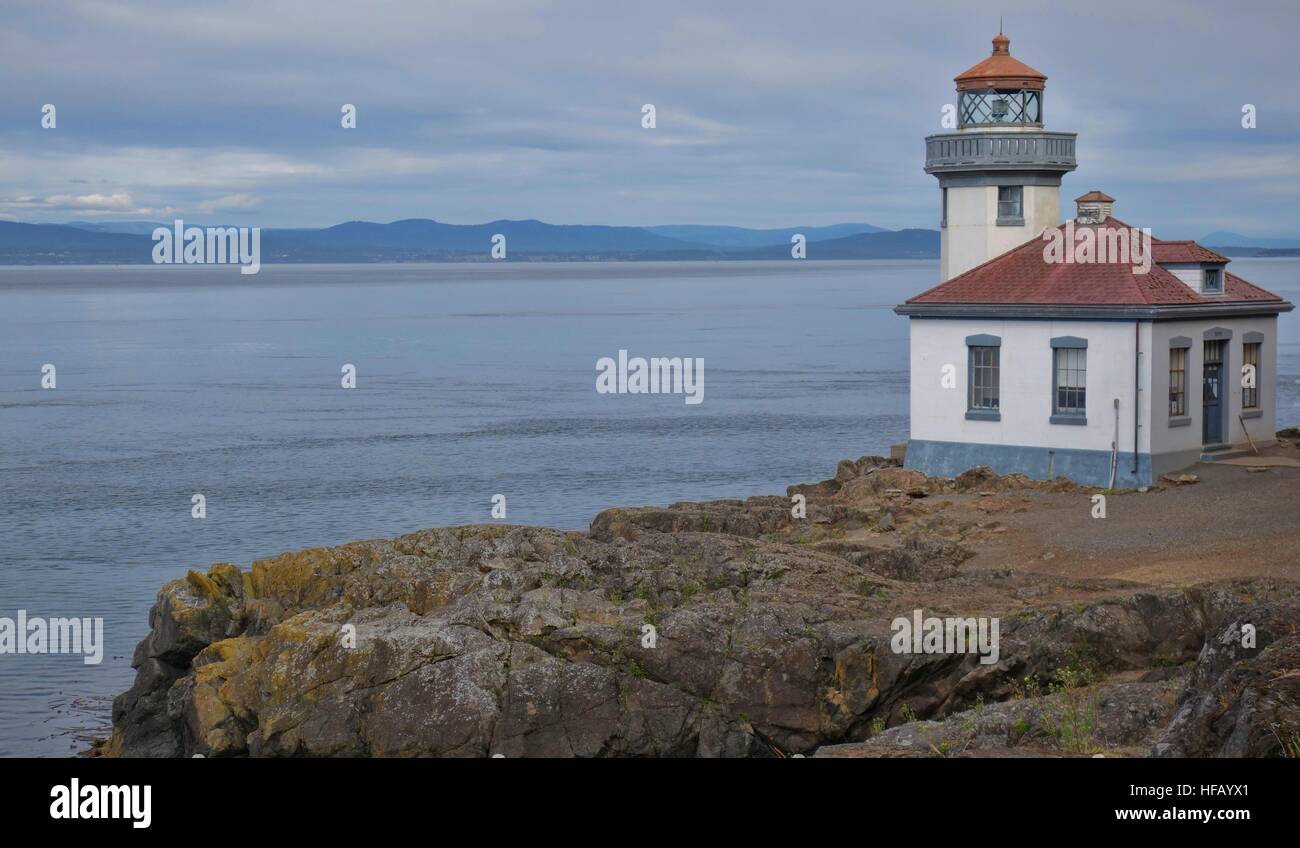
1093	207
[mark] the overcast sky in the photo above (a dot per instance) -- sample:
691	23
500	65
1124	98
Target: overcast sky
769	114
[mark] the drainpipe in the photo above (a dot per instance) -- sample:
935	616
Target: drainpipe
1137	377
1114	448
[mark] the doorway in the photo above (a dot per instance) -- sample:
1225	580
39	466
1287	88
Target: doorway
1212	398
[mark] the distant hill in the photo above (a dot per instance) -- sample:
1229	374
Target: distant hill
1235	244
60	244
1222	238
903	244
427	240
139	228
421	239
740	237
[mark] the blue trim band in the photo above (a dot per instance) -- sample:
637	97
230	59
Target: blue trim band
1087	467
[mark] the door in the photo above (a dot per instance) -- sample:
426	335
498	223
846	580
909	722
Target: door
1212	394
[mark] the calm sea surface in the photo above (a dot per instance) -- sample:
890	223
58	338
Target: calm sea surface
472	380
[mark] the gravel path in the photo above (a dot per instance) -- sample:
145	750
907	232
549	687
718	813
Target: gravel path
1233	523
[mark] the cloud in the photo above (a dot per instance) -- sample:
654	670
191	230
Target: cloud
119	202
767	114
75	205
230	202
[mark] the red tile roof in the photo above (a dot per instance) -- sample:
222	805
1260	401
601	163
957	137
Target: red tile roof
1184	251
1095	196
1023	276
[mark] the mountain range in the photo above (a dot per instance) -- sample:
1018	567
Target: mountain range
422	239
1235	244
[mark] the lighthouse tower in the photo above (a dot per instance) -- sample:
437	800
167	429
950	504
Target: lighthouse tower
1000	173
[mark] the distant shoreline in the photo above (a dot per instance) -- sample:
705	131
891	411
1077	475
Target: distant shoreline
478	260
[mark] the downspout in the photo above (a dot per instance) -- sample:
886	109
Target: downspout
1137	377
1114	448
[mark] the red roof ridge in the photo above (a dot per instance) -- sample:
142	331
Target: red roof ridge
1019	276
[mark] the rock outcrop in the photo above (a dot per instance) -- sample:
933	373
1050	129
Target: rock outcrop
727	628
1243	699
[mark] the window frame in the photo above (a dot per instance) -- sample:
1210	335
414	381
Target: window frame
1184	344
1250	398
1070	356
1178	396
989	389
1209	275
1011	220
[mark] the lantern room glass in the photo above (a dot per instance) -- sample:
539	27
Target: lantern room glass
1002	107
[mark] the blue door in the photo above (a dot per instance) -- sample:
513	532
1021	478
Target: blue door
1212	394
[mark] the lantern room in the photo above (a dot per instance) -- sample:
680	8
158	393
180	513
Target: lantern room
1001	92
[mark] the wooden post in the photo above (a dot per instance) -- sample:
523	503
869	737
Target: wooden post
1247	432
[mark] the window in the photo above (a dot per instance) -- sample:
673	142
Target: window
943	216
1212	282
1071	381
1011	209
1250	394
1001	106
984	378
1177	382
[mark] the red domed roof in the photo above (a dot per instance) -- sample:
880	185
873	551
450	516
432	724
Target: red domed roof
1000	71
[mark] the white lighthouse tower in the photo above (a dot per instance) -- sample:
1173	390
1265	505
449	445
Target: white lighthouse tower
1000	173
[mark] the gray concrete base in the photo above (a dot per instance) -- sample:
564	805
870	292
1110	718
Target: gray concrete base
1163	463
1086	467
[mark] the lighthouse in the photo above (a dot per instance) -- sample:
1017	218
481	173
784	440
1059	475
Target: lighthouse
1000	173
1107	367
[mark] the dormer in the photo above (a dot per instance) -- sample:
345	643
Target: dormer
1199	268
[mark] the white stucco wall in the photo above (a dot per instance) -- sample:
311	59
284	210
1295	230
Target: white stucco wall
972	235
1187	440
939	414
1190	274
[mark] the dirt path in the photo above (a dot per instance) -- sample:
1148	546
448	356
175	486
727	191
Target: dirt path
1233	523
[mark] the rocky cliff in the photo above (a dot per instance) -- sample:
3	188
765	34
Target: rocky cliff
727	628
